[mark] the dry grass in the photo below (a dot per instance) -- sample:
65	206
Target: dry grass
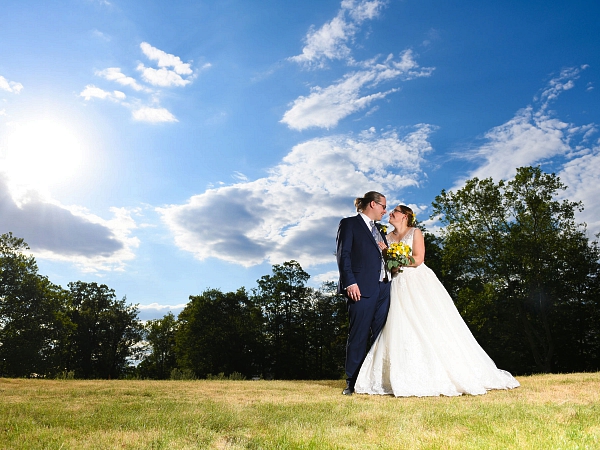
546	412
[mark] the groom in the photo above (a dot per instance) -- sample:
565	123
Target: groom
363	279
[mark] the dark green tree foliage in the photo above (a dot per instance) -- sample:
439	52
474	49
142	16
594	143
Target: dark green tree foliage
107	331
303	330
33	319
218	333
522	272
284	301
327	333
161	358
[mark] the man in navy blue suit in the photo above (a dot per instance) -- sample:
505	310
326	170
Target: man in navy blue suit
363	279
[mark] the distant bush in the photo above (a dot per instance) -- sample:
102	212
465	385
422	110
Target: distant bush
236	376
66	375
185	374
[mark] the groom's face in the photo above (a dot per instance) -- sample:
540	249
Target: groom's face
380	207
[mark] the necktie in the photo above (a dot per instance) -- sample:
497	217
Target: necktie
375	232
377	235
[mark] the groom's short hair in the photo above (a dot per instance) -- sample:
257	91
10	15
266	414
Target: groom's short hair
371	196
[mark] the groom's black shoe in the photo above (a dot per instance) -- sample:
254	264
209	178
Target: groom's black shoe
349	389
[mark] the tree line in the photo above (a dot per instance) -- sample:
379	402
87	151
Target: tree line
522	272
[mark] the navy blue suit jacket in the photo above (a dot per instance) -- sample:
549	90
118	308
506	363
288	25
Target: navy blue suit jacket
358	256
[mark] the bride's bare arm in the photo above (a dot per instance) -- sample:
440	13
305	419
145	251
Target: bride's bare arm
418	248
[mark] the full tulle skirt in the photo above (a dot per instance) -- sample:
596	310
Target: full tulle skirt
425	347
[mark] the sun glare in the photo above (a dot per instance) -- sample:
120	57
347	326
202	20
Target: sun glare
41	154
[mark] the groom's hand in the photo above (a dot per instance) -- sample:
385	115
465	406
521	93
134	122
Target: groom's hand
353	292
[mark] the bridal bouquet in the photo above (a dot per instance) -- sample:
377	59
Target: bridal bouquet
397	255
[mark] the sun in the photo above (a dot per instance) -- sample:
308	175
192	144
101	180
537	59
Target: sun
41	154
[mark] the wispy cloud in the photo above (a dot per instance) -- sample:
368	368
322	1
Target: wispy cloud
166	60
171	69
536	136
325	107
10	86
100	35
92	91
162	77
532	136
563	82
115	74
171	72
293	213
330	41
154	115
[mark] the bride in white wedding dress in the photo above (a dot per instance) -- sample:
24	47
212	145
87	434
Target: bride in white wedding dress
425	347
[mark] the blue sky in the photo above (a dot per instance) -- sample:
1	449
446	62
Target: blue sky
164	148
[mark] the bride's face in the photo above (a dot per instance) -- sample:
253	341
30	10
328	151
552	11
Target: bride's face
396	217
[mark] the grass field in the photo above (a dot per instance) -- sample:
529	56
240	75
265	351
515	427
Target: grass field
546	412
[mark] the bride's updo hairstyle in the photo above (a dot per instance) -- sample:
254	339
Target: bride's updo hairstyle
362	202
411	217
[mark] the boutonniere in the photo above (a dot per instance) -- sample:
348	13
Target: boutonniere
382	228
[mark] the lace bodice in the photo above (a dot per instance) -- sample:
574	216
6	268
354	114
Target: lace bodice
407	238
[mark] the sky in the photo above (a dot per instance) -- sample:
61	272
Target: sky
164	148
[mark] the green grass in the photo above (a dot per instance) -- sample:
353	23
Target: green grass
546	412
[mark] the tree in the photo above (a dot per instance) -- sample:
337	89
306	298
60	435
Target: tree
218	333
107	331
327	332
33	319
283	299
161	357
522	272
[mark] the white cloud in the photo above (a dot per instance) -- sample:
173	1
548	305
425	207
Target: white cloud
161	77
362	10
100	35
534	136
559	84
10	86
171	68
92	91
524	140
159	307
153	115
171	72
581	175
293	213
325	107
239	176
329	41
164	59
68	233
332	275
115	74
156	310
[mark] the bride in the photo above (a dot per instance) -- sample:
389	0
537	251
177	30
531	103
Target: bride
425	347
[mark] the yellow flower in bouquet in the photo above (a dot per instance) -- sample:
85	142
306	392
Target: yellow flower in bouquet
397	255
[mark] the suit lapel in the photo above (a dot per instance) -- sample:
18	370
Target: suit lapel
367	230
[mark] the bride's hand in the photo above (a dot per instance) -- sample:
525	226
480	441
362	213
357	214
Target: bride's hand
382	245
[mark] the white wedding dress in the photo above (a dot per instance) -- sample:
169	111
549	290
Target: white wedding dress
425	347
